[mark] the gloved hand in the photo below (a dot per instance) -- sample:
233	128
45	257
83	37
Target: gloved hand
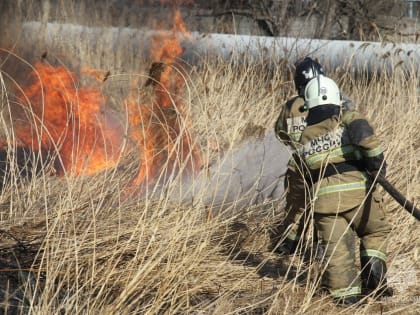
376	166
376	173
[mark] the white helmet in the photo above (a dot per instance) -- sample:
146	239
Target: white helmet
321	90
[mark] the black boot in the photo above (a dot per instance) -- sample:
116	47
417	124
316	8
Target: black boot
374	277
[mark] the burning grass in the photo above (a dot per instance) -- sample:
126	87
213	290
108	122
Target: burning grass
83	245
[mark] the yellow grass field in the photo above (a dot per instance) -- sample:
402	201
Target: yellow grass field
102	242
77	245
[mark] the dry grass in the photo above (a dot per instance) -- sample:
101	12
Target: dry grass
77	245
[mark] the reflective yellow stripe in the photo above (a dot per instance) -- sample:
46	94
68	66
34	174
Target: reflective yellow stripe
338	293
373	253
373	152
295	136
341	187
341	151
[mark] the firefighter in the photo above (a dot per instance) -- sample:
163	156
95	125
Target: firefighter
339	149
290	123
286	234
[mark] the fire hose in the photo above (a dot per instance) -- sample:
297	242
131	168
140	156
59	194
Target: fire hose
390	189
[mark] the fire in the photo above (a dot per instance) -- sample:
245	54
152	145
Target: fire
64	117
160	126
67	118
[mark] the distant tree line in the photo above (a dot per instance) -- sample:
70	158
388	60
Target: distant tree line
342	19
330	19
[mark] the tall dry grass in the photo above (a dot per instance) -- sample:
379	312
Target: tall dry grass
78	245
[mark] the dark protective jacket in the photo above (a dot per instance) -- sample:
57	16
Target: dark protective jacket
337	148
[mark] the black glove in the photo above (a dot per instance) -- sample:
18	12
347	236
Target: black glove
376	165
381	173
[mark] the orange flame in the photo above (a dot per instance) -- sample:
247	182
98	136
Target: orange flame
158	127
62	116
69	118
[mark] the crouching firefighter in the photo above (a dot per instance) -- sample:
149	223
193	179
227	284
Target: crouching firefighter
338	149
